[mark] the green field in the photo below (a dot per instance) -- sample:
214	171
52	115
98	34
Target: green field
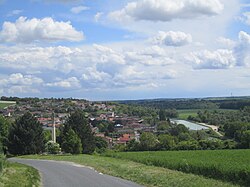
227	165
140	173
4	104
183	114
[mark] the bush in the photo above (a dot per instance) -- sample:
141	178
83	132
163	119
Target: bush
52	148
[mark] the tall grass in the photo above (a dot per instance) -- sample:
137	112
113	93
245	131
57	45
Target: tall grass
2	162
227	165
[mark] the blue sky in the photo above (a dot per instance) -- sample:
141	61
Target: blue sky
109	49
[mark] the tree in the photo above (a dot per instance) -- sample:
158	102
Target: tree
101	144
245	139
179	129
71	143
163	126
79	124
167	142
26	136
4	131
148	141
162	115
133	145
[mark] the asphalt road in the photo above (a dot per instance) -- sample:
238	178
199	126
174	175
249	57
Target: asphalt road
67	174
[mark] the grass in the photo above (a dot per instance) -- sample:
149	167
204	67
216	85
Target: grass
4	104
183	114
140	173
228	165
15	174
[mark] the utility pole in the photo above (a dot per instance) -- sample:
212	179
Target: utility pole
53	128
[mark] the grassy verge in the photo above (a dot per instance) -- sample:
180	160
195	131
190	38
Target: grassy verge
15	174
137	172
227	165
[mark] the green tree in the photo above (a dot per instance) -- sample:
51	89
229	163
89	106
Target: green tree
26	136
148	141
163	126
133	145
71	143
162	115
4	131
245	139
101	144
78	122
167	142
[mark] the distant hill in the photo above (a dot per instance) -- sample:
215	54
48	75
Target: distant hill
193	103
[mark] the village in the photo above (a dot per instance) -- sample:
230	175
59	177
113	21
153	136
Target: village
103	120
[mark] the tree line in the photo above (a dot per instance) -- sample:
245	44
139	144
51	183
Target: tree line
27	136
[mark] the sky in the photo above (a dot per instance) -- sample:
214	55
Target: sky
126	49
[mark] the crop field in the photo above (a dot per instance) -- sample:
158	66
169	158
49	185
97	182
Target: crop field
4	104
183	114
227	165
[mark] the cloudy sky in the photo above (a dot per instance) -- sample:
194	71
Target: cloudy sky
126	49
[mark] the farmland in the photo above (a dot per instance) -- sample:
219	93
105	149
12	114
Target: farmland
4	104
140	173
183	114
227	165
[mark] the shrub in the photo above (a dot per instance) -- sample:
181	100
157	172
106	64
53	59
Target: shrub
52	148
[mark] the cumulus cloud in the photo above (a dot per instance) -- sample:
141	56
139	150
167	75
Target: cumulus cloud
167	10
242	49
219	59
89	67
226	42
66	84
151	56
32	30
19	83
172	38
38	58
79	9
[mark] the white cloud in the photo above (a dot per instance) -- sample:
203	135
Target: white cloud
172	38
245	18
79	9
98	16
151	56
242	49
19	83
219	59
32	30
67	84
167	10
14	13
226	42
38	58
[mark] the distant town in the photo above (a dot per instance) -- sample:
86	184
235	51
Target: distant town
122	129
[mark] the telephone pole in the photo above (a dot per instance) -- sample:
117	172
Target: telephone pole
53	128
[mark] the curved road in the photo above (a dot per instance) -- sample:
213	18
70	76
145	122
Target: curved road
67	174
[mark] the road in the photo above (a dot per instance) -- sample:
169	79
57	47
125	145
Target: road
67	174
